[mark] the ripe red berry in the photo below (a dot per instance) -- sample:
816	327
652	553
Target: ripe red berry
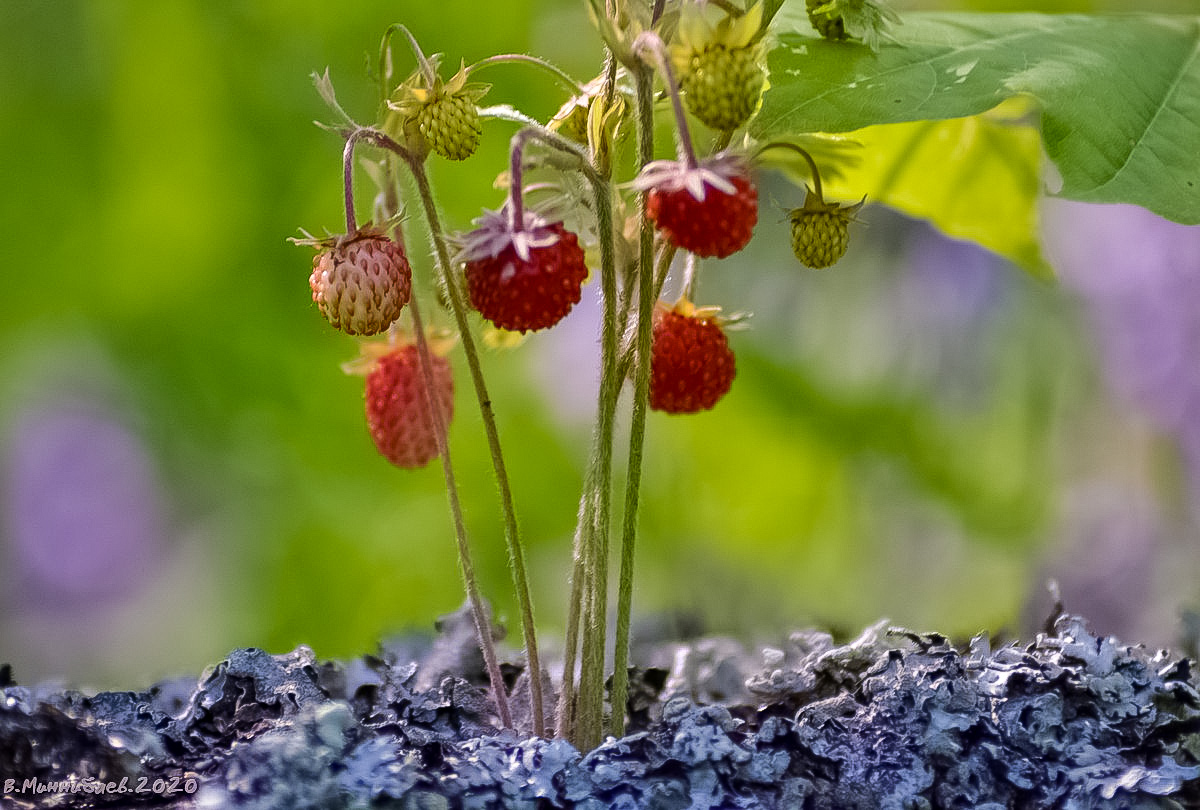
398	413
360	282
710	209
691	364
522	278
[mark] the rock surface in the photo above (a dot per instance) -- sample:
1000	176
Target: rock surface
893	720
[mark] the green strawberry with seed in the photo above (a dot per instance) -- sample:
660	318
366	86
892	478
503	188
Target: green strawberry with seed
864	20
829	24
429	114
821	231
450	123
720	66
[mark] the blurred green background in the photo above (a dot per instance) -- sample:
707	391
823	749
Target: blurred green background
924	433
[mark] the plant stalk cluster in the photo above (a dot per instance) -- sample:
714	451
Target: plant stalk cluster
628	292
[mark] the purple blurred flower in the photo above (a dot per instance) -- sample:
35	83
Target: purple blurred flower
81	506
1140	278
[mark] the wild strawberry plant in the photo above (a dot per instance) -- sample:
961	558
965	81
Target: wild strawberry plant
948	114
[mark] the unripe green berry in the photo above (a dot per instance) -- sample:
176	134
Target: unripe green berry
821	231
450	124
722	86
829	25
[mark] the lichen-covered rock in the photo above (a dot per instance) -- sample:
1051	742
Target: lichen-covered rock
893	719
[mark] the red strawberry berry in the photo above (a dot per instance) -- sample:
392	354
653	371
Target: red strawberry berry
522	278
710	209
691	364
361	282
398	413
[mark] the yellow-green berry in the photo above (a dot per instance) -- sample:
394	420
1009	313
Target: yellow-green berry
722	85
829	24
450	124
821	231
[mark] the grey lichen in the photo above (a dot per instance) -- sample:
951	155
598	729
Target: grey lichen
893	719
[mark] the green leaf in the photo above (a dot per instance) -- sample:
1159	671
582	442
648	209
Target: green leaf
1119	95
974	178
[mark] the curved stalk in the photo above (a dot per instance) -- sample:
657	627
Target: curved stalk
423	64
511	531
812	164
348	180
478	612
649	43
558	73
565	725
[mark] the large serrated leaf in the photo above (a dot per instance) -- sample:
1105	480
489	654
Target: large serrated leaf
1119	95
974	178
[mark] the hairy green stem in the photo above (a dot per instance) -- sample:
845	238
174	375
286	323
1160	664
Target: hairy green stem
560	74
565	725
581	716
423	64
511	531
590	712
479	614
808	158
643	83
348	180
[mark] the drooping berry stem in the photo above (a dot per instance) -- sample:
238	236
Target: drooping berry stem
424	64
502	58
812	164
511	530
651	45
689	276
348	180
479	614
516	187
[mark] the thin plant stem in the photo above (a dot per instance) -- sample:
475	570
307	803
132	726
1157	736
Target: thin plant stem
588	715
560	74
467	567
590	710
665	257
425	66
650	43
478	612
808	158
664	267
512	536
596	486
511	531
348	180
565	725
643	85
